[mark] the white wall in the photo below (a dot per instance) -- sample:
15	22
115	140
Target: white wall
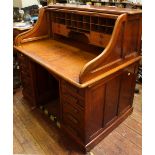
17	3
24	3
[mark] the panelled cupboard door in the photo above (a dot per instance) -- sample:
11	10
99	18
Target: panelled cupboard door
94	111
108	99
111	99
128	80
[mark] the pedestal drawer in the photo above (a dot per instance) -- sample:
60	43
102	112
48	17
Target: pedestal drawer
28	88
75	131
73	100
74	111
68	88
25	74
73	124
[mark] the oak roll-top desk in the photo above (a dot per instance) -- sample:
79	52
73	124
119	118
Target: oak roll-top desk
82	61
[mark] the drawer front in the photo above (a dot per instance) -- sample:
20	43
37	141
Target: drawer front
99	39
23	60
30	98
69	118
25	67
76	131
27	87
76	112
60	29
26	77
73	125
25	73
26	81
28	92
66	87
73	100
24	63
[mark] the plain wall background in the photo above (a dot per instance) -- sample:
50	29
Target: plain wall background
24	3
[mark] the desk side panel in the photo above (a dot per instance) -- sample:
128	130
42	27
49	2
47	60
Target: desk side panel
132	35
124	45
107	101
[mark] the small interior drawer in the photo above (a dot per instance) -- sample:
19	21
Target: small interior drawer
99	39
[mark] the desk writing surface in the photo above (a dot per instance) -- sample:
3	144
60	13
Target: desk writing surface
62	58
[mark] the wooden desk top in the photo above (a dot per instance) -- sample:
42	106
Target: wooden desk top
64	58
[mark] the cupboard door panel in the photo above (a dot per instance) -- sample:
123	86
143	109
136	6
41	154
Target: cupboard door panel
94	109
128	80
111	99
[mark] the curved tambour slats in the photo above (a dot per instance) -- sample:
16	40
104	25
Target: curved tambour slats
95	65
39	31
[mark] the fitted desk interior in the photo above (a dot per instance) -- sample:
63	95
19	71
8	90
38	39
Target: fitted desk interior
80	63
